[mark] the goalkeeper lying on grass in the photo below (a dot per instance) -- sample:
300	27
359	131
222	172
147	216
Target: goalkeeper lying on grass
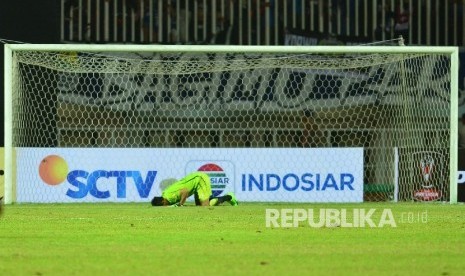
197	184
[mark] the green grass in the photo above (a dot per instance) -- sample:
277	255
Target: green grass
135	239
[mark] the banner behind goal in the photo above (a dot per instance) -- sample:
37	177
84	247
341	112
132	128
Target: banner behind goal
275	124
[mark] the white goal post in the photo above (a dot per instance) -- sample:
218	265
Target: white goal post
271	123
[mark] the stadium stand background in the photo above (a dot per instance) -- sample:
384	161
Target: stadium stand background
431	22
27	21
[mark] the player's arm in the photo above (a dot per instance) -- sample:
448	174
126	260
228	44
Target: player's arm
184	194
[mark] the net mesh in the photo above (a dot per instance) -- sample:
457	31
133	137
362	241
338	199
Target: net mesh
394	106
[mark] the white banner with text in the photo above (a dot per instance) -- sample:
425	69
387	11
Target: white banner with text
134	174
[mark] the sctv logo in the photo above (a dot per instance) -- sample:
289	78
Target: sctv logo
53	170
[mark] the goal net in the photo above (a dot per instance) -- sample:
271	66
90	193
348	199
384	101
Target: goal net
271	124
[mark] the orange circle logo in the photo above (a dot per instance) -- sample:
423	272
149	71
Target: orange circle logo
53	169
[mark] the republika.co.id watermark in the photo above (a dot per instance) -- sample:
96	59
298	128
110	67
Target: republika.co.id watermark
348	218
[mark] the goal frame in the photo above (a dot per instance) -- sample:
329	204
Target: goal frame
9	157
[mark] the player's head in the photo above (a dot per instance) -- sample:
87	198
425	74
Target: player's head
157	201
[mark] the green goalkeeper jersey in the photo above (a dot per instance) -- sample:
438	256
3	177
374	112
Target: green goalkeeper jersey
196	182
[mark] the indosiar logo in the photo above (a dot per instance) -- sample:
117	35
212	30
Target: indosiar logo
218	178
299	182
53	170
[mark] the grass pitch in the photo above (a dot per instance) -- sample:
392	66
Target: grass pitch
135	239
